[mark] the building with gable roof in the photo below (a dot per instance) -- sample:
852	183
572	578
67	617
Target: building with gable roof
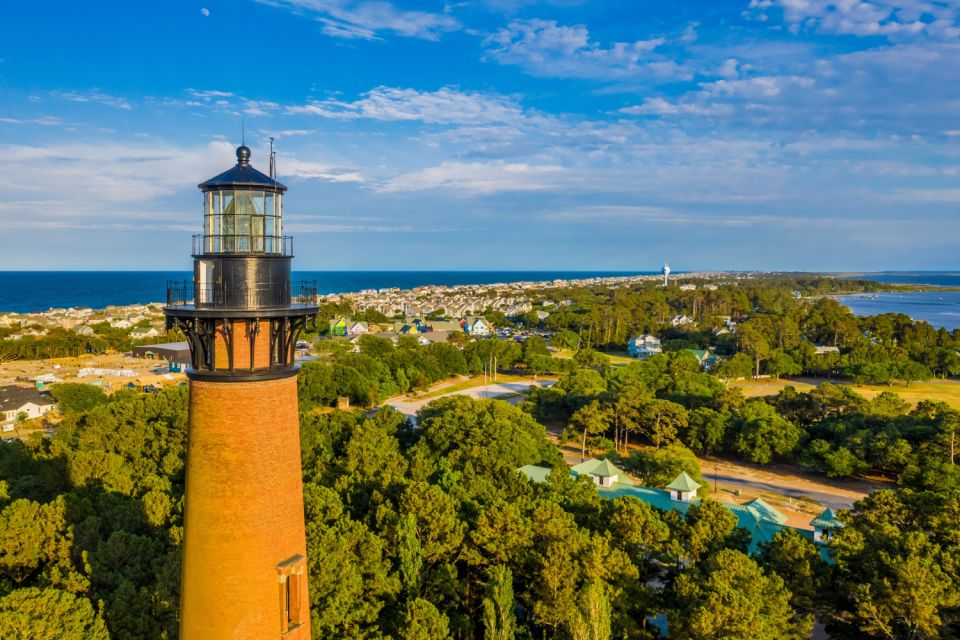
18	401
644	346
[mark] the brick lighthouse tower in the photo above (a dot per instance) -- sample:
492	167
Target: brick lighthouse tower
244	559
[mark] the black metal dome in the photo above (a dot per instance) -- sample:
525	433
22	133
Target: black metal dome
243	176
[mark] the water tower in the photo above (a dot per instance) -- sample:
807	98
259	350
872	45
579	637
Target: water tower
244	573
666	274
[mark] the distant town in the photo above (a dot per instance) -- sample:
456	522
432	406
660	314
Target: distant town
129	346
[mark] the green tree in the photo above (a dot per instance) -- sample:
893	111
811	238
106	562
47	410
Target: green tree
565	339
77	398
590	620
797	561
49	614
410	555
662	420
736	367
731	597
499	622
422	621
590	419
762	433
706	429
660	466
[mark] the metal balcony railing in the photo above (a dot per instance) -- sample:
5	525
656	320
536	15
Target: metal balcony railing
184	293
230	244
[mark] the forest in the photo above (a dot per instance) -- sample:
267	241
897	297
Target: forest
430	532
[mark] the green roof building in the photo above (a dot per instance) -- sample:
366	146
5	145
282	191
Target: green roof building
761	520
603	472
683	488
824	525
535	473
766	511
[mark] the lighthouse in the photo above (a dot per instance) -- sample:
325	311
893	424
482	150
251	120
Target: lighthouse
244	574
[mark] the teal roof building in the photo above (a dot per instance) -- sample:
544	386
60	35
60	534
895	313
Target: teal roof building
758	517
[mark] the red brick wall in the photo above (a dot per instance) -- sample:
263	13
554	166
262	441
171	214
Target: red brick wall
244	510
241	347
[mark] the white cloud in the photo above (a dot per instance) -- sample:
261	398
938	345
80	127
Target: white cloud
928	196
94	96
365	20
319	171
208	95
892	18
444	106
478	178
46	121
104	185
286	133
662	107
544	48
756	87
259	107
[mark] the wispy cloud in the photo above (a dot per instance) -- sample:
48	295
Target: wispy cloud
478	178
545	48
663	107
319	171
94	96
367	20
44	121
447	105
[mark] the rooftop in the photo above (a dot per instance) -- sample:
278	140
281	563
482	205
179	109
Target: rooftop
684	482
242	175
15	396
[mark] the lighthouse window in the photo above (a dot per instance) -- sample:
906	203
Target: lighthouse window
292	573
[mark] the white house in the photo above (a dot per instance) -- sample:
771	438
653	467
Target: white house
644	346
477	326
142	334
16	401
681	320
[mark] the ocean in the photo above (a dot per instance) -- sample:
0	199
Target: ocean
31	291
939	278
939	308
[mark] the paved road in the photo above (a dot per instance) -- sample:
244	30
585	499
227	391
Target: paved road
508	391
827	496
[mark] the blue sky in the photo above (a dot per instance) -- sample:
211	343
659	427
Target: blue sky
515	134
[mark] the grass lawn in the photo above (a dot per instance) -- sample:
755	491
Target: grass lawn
616	358
944	390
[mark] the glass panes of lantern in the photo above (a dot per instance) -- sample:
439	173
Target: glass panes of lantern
242	221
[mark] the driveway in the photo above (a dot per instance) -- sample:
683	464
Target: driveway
511	392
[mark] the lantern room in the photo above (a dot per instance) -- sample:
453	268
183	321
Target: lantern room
242	212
